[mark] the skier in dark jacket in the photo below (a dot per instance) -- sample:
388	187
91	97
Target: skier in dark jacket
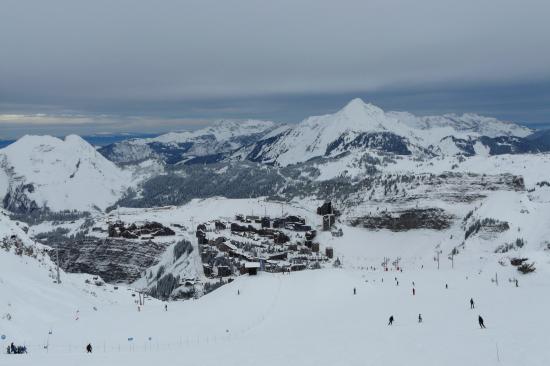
89	348
481	324
472	306
391	320
420	318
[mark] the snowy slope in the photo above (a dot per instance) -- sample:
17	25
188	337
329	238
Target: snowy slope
4	183
59	174
9	228
307	318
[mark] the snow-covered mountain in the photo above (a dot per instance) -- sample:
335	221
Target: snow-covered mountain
222	137
362	127
407	190
69	174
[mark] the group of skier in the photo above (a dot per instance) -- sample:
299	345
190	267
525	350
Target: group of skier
15	350
472	306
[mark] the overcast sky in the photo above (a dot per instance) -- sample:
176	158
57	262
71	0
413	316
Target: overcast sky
97	66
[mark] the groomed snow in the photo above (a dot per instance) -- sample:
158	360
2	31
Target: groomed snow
305	318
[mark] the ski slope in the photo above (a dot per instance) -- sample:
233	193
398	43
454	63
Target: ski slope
305	318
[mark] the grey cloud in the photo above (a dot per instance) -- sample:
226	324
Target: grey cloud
132	56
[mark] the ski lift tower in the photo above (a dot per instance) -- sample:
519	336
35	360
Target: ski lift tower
57	262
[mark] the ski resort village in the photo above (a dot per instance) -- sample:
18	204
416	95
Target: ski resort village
272	183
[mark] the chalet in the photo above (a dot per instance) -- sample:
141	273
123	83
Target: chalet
219	240
295	220
241	228
297	226
226	247
325	209
337	233
278	256
201	228
315	248
252	268
188	282
207	269
252	218
218	225
281	238
298	267
207	253
310	235
201	234
272	266
293	247
329	252
238	253
224	271
266	222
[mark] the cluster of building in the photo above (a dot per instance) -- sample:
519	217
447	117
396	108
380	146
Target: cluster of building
249	244
145	231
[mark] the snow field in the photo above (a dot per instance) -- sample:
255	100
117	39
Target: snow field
305	318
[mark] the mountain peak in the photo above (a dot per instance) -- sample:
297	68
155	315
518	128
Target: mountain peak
357	108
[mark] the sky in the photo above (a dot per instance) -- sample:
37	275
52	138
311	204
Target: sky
104	66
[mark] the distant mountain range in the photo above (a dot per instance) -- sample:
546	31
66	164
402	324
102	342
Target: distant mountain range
357	127
356	142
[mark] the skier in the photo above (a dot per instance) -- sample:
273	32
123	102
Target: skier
89	348
397	283
414	291
12	347
420	318
391	320
354	291
481	324
238	292
165	307
472	306
446	286
517	284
